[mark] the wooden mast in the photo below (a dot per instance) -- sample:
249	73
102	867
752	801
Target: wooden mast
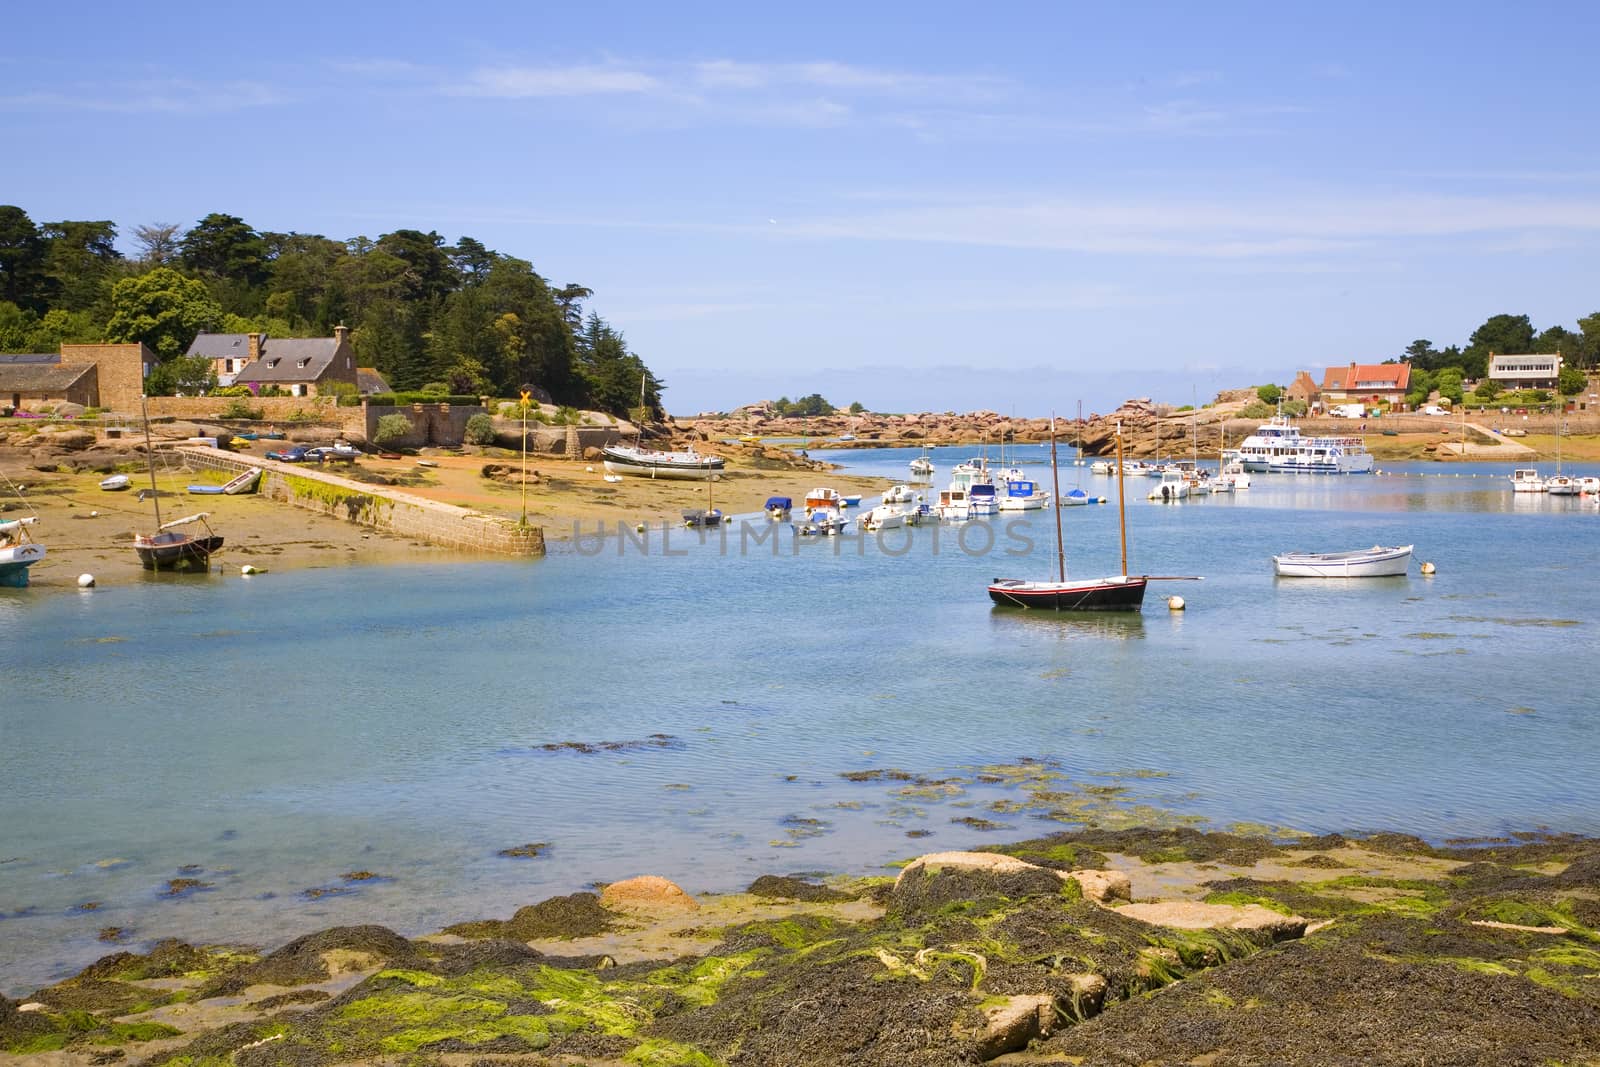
1122	502
150	456
1055	500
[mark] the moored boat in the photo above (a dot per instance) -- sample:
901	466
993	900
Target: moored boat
1172	487
884	517
114	483
779	508
822	513
239	483
1021	495
899	494
1527	480
1379	561
170	549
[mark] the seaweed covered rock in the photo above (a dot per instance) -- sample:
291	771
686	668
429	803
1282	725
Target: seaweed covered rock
1194	915
18	1029
932	883
316	958
777	887
558	918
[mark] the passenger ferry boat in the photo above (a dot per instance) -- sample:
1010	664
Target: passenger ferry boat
1278	447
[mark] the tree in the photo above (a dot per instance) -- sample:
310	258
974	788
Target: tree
22	260
1449	384
224	247
471	260
1488	389
158	243
429	274
1421	355
182	376
1588	353
1570	381
1504	334
164	309
1422	383
1269	394
857	407
80	258
391	430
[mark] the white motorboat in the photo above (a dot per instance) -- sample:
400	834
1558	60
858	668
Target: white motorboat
883	517
899	494
648	463
953	505
1022	495
1378	561
1589	486
115	483
1235	475
922	467
1102	466
1561	485
1527	480
1172	487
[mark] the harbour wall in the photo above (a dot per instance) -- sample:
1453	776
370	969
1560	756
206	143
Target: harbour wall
366	505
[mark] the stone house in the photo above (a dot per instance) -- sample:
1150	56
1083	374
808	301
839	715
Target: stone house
301	366
229	353
107	376
1304	387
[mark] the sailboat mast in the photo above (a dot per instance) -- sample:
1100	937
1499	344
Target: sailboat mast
1055	500
150	457
1122	502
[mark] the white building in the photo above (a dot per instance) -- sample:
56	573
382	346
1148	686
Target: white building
1525	372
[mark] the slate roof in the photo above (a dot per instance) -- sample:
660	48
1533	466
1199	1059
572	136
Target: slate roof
41	377
281	357
220	346
368	380
29	357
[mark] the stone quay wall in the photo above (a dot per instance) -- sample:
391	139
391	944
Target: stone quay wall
375	506
431	424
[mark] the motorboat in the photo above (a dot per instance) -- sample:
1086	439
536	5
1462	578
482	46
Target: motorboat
1589	486
953	505
1527	480
1323	455
1022	495
899	494
648	463
883	517
1379	561
852	500
1561	485
779	508
983	499
1173	486
1102	466
115	483
822	513
1235	475
922	467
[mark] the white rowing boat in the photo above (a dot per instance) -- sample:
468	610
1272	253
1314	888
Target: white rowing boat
1378	561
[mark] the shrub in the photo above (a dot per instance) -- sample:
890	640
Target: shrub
1256	409
338	389
239	409
566	415
233	390
436	389
391	429
1269	394
480	429
1294	407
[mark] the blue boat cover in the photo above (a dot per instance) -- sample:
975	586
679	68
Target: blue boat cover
779	502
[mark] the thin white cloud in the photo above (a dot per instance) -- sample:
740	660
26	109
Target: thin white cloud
734	75
514	83
171	96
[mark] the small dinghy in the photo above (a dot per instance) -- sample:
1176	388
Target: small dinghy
1379	561
115	483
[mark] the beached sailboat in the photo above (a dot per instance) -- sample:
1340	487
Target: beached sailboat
18	551
706	516
1120	592
170	548
641	462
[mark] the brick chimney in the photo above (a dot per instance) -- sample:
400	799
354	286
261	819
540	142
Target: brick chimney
255	346
341	334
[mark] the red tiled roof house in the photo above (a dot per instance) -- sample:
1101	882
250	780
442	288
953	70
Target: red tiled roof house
1366	383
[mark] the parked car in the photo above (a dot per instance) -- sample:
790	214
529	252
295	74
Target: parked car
1434	409
330	453
297	454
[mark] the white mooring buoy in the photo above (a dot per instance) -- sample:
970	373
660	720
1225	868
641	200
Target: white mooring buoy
85	581
1175	603
1428	568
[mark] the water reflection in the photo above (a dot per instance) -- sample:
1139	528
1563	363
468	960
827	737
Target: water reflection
1070	625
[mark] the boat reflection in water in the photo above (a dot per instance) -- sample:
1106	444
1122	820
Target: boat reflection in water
1073	625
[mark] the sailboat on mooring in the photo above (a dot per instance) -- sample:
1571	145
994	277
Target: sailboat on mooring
1117	592
170	548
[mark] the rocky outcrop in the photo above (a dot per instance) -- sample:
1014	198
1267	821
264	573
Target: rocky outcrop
647	894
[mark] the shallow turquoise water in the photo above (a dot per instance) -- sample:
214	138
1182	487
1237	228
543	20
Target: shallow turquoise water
280	731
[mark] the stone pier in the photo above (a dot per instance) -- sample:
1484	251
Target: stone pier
379	507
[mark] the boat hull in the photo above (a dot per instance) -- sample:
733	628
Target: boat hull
677	465
15	561
1375	562
166	552
1105	594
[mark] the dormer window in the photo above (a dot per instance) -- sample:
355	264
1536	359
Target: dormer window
302	363
272	362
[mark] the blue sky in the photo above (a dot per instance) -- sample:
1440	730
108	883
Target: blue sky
913	205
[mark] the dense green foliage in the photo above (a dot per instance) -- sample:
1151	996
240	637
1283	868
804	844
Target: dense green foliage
1513	334
420	310
1269	394
480	430
390	429
813	404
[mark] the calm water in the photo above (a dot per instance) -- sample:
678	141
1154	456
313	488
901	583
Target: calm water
280	731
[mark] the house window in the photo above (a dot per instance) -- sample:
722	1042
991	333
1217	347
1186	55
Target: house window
302	363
